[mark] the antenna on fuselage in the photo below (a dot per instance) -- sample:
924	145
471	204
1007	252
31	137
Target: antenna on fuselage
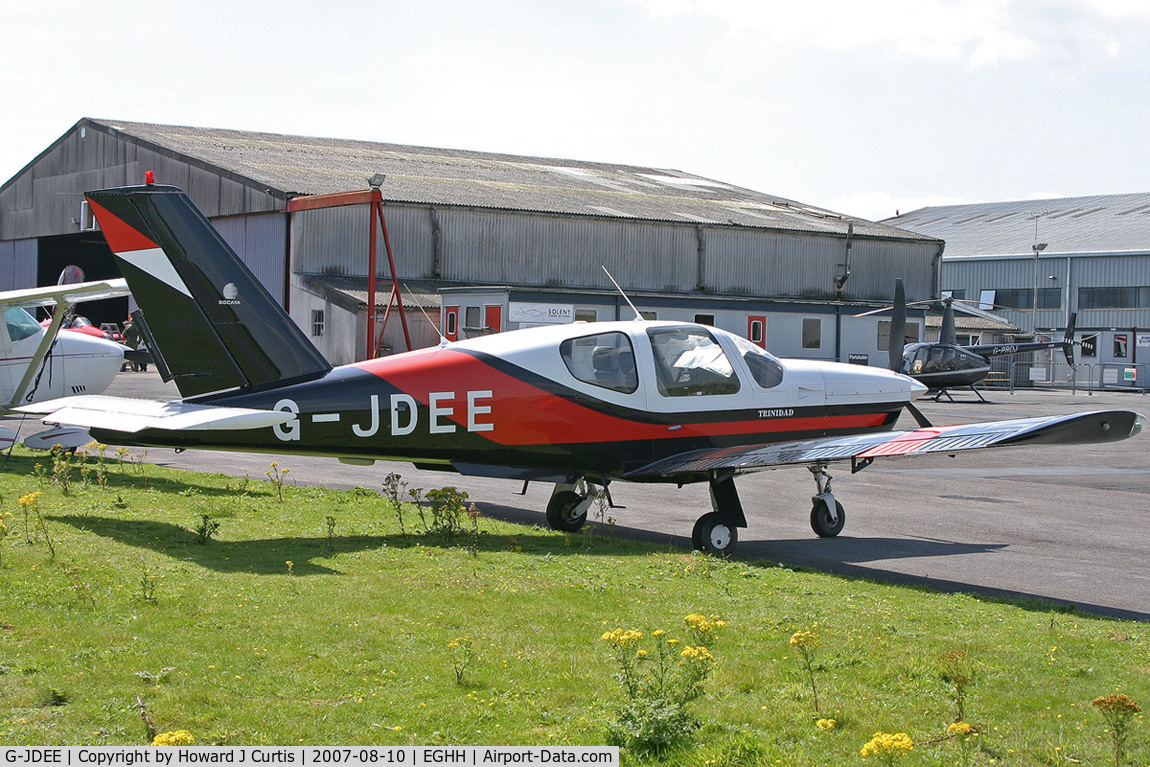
638	317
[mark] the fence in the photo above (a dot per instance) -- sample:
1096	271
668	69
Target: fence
1101	376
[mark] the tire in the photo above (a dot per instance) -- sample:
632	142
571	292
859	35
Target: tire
714	535
561	512
821	521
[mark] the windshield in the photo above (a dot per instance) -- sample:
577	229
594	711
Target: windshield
765	368
20	324
689	362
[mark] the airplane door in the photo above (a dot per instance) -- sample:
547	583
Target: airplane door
493	317
757	330
451	323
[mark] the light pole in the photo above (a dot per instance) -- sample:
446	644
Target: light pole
1038	247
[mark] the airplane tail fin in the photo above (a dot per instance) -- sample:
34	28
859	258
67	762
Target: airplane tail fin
212	322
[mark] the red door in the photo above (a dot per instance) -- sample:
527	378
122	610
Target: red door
451	323
757	330
493	317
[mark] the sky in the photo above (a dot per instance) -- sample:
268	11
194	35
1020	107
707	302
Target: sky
865	108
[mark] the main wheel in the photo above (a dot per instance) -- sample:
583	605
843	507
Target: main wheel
714	535
821	521
561	514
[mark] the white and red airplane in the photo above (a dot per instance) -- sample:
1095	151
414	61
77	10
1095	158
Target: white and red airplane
578	405
39	363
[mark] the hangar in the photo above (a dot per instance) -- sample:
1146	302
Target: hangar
481	242
1039	261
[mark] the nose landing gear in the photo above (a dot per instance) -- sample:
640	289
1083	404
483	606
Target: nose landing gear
827	514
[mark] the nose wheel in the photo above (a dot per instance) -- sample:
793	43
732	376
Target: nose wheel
827	515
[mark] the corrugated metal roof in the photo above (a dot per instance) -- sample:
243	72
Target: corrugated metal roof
416	294
965	323
1101	224
289	165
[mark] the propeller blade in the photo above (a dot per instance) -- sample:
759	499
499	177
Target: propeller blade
897	327
948	335
922	421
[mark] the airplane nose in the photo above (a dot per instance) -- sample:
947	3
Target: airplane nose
1139	424
917	389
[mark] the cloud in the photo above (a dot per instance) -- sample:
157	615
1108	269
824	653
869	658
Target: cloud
1057	37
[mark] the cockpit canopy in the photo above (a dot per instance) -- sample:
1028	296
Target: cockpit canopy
924	359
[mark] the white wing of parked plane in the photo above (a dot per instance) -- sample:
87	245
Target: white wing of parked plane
133	415
63	297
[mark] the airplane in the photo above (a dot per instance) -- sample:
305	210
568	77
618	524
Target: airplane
579	406
38	363
946	365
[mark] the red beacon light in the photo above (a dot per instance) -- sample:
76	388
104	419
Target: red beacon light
149	177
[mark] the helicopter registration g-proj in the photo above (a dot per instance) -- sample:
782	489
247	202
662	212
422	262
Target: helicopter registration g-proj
580	405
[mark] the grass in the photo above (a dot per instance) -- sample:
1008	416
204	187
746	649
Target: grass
286	627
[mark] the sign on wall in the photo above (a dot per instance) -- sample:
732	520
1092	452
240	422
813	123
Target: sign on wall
544	314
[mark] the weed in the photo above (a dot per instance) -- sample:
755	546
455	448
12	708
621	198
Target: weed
805	644
4	517
206	530
1118	710
277	477
462	654
53	698
393	488
331	533
448	507
473	513
659	687
160	676
148	582
957	672
62	469
30	502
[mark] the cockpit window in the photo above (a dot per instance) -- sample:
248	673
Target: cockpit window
689	362
20	324
765	369
604	359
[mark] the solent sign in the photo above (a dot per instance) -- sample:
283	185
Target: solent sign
541	314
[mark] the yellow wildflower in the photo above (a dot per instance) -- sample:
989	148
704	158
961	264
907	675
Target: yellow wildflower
30	499
888	744
826	725
803	639
959	728
175	738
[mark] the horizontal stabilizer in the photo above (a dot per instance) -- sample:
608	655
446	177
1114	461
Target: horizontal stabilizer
133	415
1079	428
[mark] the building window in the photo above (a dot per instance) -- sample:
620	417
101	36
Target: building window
1090	345
316	323
472	318
651	316
586	315
1114	298
959	294
910	334
813	333
1023	298
705	319
1121	346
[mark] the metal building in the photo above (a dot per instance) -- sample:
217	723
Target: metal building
1041	260
292	208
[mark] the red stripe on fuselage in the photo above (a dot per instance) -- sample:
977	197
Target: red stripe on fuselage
121	237
524	414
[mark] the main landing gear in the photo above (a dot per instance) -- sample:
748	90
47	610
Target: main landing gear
567	509
718	531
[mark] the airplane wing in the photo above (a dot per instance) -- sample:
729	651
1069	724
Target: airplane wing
133	415
51	295
1079	428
